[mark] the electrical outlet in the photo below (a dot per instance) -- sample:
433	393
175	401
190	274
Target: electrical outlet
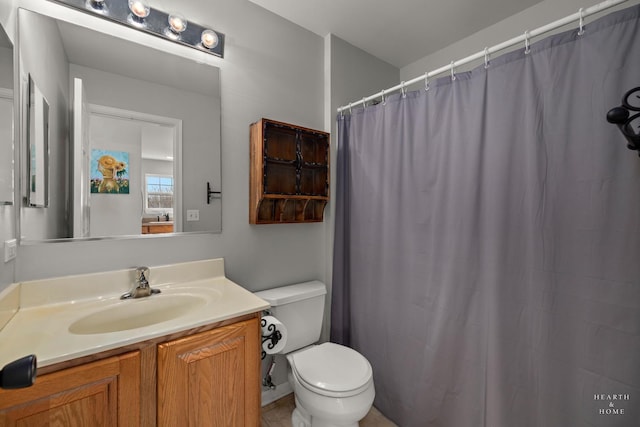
10	249
193	215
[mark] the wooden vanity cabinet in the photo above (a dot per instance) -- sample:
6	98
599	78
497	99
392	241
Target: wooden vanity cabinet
207	376
289	173
211	378
102	393
157	228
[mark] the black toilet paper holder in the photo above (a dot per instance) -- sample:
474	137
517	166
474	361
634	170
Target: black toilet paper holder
274	336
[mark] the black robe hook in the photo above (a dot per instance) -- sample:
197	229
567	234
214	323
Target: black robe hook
211	193
621	117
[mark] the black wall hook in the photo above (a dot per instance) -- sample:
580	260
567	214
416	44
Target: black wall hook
210	193
621	117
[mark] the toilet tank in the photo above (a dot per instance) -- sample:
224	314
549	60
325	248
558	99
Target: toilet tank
300	308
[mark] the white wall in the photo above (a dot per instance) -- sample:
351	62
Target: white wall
50	71
6	124
536	16
7	213
6	68
271	69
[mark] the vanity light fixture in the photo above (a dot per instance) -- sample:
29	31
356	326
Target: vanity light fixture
209	39
139	10
138	14
177	24
97	5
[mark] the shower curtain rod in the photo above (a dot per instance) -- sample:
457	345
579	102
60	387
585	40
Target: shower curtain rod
526	37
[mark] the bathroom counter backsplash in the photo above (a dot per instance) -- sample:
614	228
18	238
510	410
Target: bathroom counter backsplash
41	317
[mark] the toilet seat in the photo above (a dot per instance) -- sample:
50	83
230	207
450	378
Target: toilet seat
332	370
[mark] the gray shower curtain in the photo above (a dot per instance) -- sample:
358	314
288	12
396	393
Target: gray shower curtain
487	247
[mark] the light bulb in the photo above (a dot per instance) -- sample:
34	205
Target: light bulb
209	39
177	23
98	5
139	8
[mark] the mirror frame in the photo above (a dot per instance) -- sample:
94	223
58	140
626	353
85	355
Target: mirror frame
37	163
12	95
109	28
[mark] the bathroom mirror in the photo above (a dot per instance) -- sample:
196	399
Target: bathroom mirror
123	119
6	119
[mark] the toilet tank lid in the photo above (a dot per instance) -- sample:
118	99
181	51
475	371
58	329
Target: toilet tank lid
292	293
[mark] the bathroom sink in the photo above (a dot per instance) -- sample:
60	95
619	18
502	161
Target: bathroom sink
138	313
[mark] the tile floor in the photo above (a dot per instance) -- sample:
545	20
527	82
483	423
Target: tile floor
278	414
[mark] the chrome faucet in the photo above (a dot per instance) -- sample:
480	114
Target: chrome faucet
141	286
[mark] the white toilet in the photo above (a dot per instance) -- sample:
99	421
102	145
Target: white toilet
332	384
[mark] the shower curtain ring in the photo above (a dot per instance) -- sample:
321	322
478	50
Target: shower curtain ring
364	103
426	81
453	70
403	90
581	31
486	58
384	101
526	42
350	110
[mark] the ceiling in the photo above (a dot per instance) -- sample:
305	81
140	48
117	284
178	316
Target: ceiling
399	32
119	56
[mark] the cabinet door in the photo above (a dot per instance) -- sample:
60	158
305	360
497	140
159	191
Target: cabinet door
104	393
211	378
281	158
314	167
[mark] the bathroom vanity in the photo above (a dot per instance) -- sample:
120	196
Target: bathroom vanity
188	356
157	227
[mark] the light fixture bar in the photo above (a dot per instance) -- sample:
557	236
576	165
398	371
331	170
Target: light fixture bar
156	23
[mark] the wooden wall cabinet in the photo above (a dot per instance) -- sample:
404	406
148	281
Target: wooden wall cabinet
103	393
289	173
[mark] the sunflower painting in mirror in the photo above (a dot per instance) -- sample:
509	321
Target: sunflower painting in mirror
109	171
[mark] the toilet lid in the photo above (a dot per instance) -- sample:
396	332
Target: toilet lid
332	367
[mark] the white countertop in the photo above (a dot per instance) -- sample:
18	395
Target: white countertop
48	308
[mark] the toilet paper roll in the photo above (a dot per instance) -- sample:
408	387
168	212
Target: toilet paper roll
274	335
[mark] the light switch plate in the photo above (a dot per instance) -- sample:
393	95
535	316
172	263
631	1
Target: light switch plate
10	249
193	215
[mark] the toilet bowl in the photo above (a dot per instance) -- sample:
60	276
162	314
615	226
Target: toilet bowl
332	384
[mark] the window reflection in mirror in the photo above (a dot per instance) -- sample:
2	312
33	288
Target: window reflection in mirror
6	119
147	111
